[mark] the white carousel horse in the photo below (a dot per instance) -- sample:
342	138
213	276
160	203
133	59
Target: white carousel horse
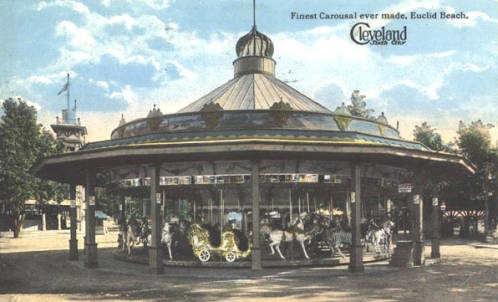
381	236
277	236
167	239
334	237
388	227
131	239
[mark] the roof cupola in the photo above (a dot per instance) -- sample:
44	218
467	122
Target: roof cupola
254	52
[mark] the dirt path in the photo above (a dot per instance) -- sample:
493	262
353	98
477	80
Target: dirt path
36	269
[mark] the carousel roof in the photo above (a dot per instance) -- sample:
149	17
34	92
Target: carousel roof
255	91
254	85
252	115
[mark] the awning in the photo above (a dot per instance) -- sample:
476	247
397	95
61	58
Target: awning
101	215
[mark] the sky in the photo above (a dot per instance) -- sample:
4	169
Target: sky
124	56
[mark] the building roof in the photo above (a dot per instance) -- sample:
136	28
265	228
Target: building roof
255	91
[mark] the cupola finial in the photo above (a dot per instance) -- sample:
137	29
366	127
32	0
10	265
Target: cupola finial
254	13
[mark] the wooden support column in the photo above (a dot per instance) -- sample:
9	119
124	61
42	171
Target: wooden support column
256	249
356	254
59	221
436	229
122	221
417	230
73	241
155	251
44	222
90	244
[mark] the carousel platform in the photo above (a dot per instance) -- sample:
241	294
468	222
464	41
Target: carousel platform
113	261
140	256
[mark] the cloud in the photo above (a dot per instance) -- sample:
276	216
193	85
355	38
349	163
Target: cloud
411	59
100	84
153	4
463	94
471	19
126	94
330	95
472	67
73	5
79	38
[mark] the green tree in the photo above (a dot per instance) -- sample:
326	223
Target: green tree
474	141
428	136
22	143
45	190
358	106
471	192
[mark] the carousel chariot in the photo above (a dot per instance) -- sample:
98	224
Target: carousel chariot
228	248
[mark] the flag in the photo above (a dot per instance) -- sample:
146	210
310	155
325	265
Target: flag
66	86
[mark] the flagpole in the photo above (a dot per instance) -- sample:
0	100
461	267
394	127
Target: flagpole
67	93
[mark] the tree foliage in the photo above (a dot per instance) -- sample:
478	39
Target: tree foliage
22	143
474	142
358	106
428	136
45	190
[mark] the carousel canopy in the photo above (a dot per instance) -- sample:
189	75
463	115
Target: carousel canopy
254	115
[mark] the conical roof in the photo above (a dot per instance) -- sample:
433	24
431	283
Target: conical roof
254	86
255	91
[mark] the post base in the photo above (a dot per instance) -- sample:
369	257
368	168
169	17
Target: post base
73	249
91	255
418	253
435	248
403	254
356	269
256	260
156	260
356	259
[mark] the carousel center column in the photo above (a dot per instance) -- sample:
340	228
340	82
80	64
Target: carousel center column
155	251
91	246
73	241
356	255
256	251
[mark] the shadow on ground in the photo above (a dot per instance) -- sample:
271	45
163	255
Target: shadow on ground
465	274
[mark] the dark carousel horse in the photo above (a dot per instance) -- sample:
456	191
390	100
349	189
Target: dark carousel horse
333	234
380	236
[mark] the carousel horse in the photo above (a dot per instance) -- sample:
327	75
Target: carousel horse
276	236
388	227
334	237
136	234
167	239
378	236
145	233
131	238
368	229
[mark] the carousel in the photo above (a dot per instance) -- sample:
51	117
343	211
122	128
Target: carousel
257	174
